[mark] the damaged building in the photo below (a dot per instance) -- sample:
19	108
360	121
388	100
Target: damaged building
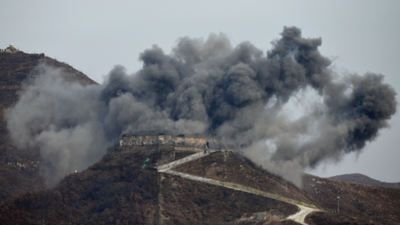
162	139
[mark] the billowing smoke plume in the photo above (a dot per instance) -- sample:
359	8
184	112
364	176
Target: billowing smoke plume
236	94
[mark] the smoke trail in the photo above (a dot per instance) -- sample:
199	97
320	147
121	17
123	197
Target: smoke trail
234	93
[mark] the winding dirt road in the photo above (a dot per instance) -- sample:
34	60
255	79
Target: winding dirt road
298	217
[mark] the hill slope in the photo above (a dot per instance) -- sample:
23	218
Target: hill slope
117	190
114	190
231	167
19	169
362	179
368	203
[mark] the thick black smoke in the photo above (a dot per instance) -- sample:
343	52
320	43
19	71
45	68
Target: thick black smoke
236	94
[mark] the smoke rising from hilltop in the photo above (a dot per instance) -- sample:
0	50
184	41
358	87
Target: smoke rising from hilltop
234	93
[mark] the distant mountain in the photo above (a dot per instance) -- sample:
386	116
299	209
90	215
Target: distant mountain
19	169
362	179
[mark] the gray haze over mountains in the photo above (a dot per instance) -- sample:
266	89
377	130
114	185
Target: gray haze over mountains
236	94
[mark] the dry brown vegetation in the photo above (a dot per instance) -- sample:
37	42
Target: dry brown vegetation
364	202
113	191
362	179
191	202
231	167
117	191
326	218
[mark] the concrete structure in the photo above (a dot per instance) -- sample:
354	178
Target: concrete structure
181	140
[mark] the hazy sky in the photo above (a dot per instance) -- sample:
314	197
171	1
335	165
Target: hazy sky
93	36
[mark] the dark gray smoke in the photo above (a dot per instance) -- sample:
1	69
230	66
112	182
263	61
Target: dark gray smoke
237	94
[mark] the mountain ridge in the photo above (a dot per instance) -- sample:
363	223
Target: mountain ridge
364	179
